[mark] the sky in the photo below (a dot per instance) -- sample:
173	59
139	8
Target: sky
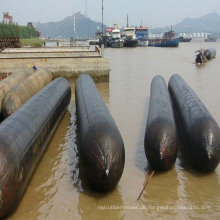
151	13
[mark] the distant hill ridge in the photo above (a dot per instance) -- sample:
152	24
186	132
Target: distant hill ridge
207	23
85	27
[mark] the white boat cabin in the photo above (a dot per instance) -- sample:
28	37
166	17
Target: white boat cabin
129	31
116	33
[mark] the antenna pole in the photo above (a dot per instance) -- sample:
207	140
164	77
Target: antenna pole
102	40
102	19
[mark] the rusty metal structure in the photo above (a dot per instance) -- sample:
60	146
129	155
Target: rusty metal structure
7	19
6	42
30	24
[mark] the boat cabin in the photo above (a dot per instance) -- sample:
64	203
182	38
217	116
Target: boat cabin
142	33
169	35
108	31
116	33
129	31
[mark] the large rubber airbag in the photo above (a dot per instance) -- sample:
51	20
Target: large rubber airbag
200	131
24	91
210	53
12	81
101	149
160	135
24	137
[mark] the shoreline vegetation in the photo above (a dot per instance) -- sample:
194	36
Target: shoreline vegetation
28	35
31	42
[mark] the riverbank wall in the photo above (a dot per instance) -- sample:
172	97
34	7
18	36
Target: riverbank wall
66	62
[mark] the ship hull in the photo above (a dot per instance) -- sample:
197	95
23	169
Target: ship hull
181	39
143	43
117	44
211	39
130	43
169	43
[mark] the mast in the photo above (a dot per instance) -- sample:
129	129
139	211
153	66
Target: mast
127	20
74	27
102	39
102	20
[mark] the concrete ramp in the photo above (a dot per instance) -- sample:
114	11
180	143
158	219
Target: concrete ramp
66	62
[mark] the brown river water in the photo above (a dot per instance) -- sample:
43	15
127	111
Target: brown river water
55	190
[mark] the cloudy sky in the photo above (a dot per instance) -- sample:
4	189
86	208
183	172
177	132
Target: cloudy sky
153	13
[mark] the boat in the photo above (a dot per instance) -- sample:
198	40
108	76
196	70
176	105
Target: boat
94	42
185	39
98	35
203	55
211	39
107	36
142	36
115	40
99	38
200	56
129	36
168	40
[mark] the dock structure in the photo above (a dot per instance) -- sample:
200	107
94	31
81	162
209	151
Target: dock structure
68	62
45	49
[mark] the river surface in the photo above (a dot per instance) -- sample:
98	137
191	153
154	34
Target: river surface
55	190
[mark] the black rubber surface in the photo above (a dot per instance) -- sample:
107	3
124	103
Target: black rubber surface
24	137
200	131
101	149
161	145
210	53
